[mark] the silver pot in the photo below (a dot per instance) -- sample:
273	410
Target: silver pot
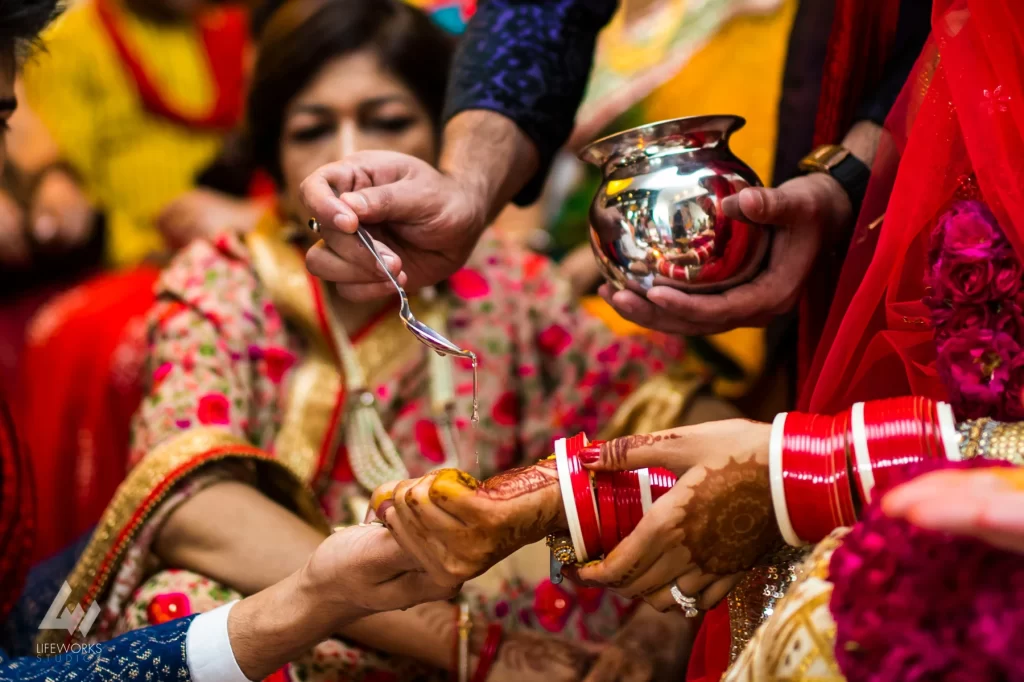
657	220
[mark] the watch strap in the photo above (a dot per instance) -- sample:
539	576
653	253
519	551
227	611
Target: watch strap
853	175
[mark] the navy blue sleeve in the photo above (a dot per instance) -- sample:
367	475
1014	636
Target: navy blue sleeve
154	653
529	60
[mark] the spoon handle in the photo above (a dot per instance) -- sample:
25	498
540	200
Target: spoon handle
367	241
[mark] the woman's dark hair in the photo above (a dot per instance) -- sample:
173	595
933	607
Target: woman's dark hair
21	21
303	35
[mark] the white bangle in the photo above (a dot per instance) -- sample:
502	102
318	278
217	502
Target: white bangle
646	500
569	500
777	483
947	431
860	451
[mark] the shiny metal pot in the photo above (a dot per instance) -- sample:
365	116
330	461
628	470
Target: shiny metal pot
657	218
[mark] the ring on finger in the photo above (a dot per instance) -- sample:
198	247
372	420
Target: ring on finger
314	225
687	604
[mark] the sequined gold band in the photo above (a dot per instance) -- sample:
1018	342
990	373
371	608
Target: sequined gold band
990	439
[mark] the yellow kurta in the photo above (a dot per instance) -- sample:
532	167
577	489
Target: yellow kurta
132	162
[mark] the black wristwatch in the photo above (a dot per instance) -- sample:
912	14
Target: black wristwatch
849	171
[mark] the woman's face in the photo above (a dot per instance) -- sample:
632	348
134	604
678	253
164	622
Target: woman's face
351	105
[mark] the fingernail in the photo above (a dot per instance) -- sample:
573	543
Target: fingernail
758	199
590	454
356	200
382	510
344	221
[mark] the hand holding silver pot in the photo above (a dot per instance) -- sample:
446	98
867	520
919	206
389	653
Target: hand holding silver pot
679	227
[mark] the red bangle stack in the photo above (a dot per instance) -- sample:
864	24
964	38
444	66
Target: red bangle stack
898	432
489	653
812	467
606	506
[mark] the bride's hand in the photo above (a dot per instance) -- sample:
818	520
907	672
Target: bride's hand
716	522
459	527
987	504
527	656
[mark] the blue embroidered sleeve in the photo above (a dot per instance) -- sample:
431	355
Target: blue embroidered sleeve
154	653
529	60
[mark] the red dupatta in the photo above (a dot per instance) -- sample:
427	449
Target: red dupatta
956	132
224	34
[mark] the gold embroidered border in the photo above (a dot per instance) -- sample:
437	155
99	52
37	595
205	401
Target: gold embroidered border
134	503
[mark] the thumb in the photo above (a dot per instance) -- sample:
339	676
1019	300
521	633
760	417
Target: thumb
382	499
768	206
393	202
674	449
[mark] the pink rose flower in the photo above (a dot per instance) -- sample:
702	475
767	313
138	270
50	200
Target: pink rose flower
975	365
214	409
968	281
1007	282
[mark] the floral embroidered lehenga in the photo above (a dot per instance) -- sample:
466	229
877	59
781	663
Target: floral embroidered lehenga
243	382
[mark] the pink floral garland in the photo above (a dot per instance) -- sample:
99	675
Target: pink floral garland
977	308
914	605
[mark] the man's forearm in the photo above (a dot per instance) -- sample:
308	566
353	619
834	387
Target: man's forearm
863	140
277	625
490	155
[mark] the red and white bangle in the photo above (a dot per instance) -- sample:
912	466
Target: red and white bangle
644	478
861	457
572	519
776	478
948	435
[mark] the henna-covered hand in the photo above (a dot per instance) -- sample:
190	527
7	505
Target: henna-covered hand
650	646
459	527
716	522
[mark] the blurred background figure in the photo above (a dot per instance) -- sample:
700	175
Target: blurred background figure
137	99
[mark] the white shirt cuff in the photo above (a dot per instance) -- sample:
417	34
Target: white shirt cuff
208	648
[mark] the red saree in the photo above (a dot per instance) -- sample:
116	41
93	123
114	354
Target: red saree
79	388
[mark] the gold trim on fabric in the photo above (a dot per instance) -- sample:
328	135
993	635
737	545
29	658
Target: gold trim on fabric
282	272
168	464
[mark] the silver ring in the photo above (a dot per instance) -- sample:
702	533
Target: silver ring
687	604
314	225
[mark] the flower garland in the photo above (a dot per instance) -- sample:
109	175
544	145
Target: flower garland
977	309
915	605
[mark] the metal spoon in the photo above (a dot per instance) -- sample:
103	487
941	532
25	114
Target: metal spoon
427	336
